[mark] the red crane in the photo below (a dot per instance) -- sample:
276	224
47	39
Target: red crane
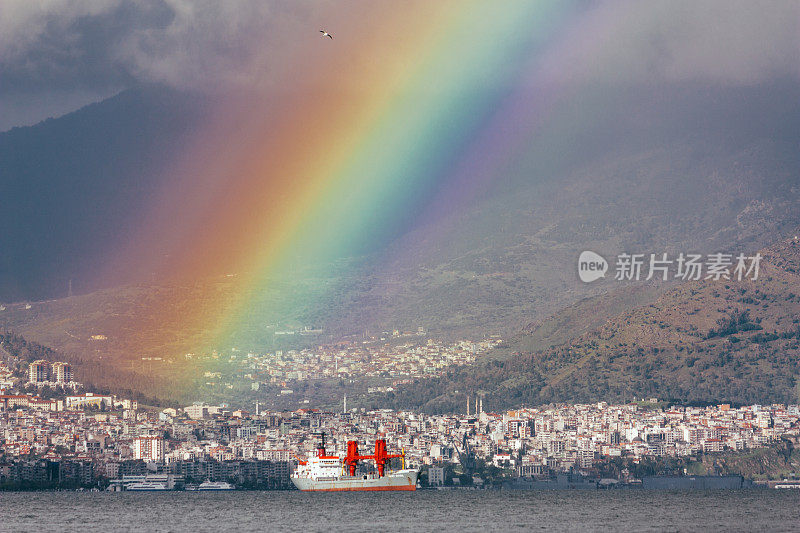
380	456
352	457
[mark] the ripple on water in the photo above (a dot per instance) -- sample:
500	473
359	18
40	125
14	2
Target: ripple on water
420	511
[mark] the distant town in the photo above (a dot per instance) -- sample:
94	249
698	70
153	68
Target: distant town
404	358
56	434
95	440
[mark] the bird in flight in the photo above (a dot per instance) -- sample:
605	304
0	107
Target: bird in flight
326	34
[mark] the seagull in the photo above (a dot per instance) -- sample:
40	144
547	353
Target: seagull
326	34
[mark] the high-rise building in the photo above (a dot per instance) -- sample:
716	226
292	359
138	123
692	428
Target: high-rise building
197	411
39	371
149	448
62	372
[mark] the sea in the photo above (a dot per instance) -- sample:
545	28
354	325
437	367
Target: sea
456	510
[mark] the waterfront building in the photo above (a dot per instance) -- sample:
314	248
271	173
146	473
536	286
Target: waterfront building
436	476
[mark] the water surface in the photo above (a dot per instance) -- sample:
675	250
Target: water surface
636	510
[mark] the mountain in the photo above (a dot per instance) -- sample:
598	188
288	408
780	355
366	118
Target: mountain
677	171
662	170
577	319
701	341
74	187
645	170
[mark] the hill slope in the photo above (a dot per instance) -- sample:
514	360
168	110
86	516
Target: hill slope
75	186
667	170
644	169
703	341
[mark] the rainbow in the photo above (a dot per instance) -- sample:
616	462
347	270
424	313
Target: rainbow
354	142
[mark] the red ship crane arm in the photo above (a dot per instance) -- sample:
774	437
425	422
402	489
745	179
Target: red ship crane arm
352	458
350	461
381	457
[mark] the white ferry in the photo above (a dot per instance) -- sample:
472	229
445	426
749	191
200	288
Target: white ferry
146	485
145	482
215	485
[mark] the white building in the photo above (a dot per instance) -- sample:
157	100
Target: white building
83	400
435	476
149	448
62	372
39	371
196	411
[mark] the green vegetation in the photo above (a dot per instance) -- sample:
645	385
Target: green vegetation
25	350
735	322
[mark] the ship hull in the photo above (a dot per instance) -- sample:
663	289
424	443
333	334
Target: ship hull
402	480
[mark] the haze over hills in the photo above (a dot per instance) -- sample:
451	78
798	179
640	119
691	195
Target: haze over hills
672	169
76	186
682	173
702	341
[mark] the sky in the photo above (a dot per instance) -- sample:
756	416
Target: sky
58	55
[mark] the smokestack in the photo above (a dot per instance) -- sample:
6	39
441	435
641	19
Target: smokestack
481	404
345	403
467	404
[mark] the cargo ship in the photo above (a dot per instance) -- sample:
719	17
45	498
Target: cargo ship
327	473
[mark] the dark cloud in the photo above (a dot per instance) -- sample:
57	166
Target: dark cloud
75	48
60	52
723	41
64	46
96	44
